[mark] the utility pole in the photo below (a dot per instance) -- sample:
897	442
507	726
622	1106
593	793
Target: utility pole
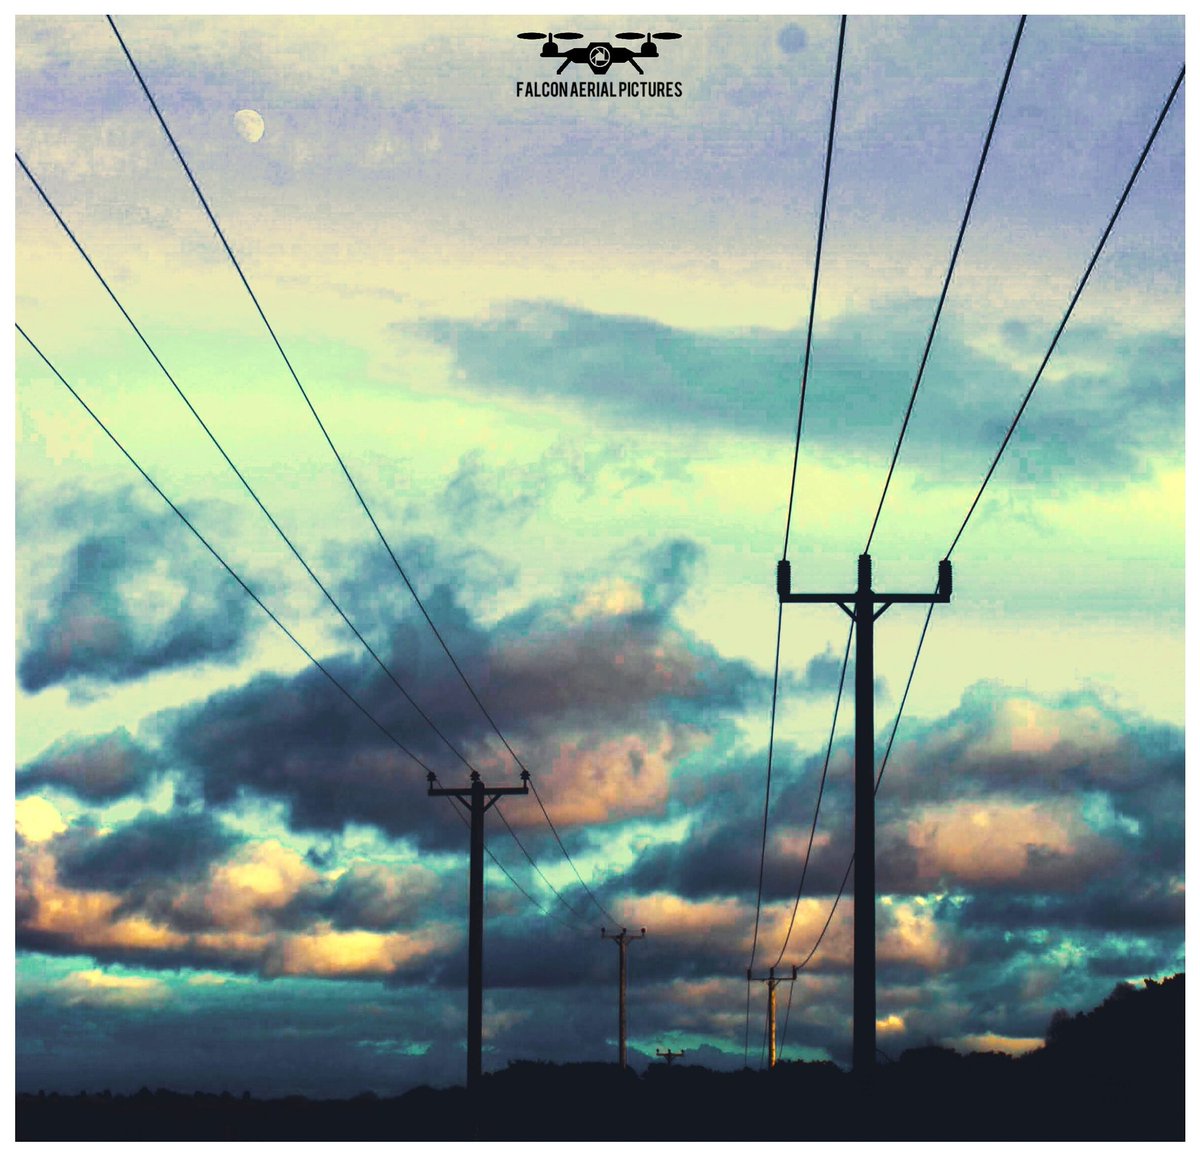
669	1056
860	606
478	799
622	940
772	982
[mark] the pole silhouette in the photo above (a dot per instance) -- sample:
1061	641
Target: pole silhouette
478	799
772	982
860	605
621	939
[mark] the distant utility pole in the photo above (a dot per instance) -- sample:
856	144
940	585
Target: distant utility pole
669	1056
622	940
478	799
860	606
772	982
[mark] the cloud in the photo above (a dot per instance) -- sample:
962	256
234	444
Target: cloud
580	687
373	897
95	987
37	819
1094	416
983	842
1030	813
96	770
129	896
144	853
329	952
128	602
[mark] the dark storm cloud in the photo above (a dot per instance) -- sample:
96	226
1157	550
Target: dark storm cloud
1101	420
128	601
95	770
367	896
552	673
149	852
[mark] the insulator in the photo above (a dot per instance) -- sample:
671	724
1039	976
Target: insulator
945	583
783	578
864	572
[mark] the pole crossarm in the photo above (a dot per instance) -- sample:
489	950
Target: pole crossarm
864	606
783	584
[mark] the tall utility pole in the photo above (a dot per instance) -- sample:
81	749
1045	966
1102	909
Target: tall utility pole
622	940
669	1056
772	982
478	799
860	606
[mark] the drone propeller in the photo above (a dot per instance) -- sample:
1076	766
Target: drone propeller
531	35
569	35
649	35
666	35
630	35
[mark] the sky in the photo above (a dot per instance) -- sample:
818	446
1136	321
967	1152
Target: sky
558	343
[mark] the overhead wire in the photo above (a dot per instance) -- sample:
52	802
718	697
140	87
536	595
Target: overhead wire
812	831
257	500
1071	307
321	425
837	81
1007	437
263	606
908	414
937	313
812	306
565	903
212	550
237	472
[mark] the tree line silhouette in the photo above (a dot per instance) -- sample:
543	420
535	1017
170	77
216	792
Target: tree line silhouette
1114	1073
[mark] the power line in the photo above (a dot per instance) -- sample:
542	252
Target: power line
246	588
212	550
250	490
312	409
762	856
1058	333
962	229
812	305
240	476
458	810
837	80
820	792
1070	308
604	911
291	369
878	779
539	871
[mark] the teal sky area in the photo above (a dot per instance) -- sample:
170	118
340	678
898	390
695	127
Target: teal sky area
558	343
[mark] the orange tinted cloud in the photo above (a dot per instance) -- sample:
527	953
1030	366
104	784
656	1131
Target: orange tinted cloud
990	841
331	953
86	920
96	987
595	781
990	1042
909	934
262	877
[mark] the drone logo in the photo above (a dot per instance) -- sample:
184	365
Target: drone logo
600	56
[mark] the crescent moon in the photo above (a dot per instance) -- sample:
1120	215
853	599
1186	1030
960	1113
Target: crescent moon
249	124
